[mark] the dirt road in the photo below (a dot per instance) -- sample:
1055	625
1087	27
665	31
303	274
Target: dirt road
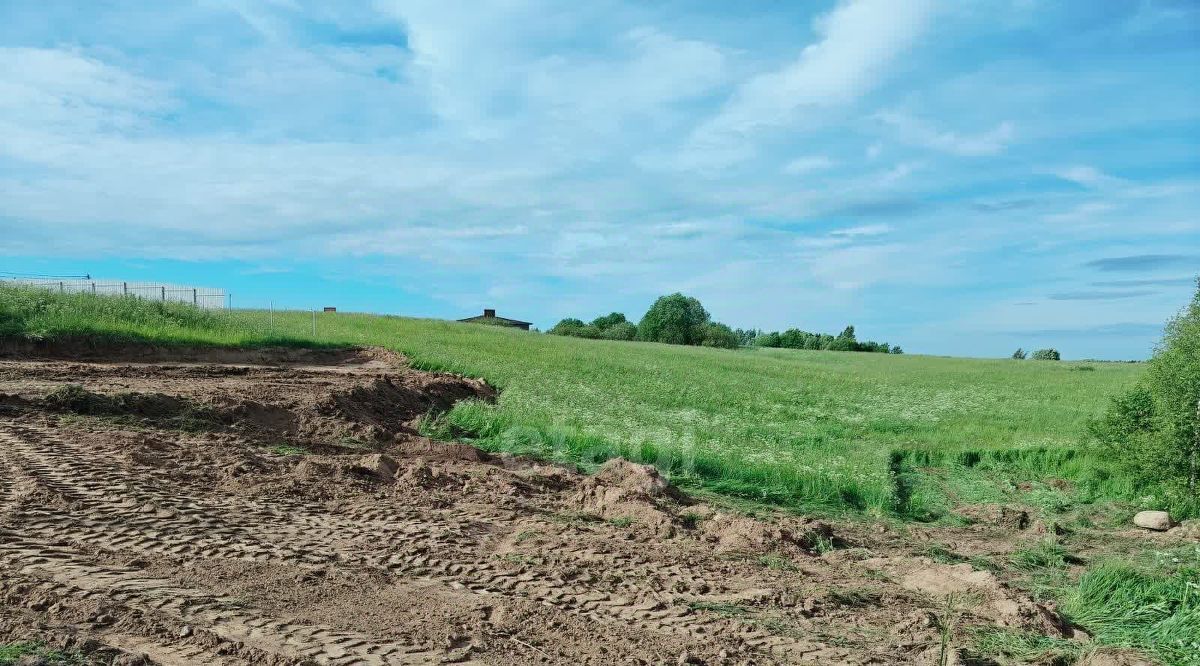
280	508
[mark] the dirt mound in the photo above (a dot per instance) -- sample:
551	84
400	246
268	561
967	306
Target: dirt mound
87	348
738	534
391	404
977	592
626	491
996	515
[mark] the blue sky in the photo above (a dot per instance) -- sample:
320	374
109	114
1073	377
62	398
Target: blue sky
957	178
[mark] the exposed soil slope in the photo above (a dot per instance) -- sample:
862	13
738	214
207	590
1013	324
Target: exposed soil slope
280	508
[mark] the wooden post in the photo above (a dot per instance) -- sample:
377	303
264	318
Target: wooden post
124	288
93	289
194	296
61	288
164	293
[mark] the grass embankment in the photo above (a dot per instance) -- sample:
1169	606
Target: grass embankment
818	429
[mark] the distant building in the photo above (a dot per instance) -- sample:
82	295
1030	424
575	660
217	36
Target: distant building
489	317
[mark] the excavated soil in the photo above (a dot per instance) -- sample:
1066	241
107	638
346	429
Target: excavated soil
279	507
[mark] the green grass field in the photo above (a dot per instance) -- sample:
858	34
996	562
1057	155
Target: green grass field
832	430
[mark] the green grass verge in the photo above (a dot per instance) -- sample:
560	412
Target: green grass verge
821	430
11	653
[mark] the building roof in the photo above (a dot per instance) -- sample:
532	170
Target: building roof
498	320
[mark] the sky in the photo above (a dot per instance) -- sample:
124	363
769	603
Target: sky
956	178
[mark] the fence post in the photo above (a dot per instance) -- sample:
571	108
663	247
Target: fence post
124	288
164	293
61	288
194	301
93	289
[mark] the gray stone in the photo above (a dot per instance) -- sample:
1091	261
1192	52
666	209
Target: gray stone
1153	520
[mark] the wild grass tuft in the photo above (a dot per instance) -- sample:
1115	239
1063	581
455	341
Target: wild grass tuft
1150	606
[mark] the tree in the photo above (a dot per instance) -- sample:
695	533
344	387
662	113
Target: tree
1050	354
1153	430
575	328
719	335
567	326
897	350
675	319
608	321
746	336
1019	354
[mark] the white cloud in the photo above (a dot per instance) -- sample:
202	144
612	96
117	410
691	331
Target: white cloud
864	230
1086	176
56	88
857	42
915	132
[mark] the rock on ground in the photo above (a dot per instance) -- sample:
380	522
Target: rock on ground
1153	520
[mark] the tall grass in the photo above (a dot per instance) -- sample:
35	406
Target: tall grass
823	429
1153	607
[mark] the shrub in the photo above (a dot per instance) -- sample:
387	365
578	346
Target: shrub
620	331
575	328
1019	354
1050	354
1153	430
674	319
719	335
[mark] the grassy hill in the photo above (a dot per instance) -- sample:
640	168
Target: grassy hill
838	430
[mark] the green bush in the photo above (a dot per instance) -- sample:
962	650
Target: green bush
720	335
609	320
675	319
1046	355
1153	430
575	328
620	331
1019	354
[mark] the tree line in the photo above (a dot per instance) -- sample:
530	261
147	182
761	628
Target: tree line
682	320
794	338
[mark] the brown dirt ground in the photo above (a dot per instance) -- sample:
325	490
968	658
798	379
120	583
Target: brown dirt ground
158	512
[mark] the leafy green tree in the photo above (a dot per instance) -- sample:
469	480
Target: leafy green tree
746	336
566	326
1019	354
1153	430
1050	354
609	320
719	335
575	328
897	350
675	319
767	339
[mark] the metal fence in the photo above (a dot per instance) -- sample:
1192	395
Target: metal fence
203	297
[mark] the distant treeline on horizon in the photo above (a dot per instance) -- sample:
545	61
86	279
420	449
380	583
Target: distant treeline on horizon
682	320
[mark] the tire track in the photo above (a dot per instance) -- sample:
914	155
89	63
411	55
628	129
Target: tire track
122	512
226	618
